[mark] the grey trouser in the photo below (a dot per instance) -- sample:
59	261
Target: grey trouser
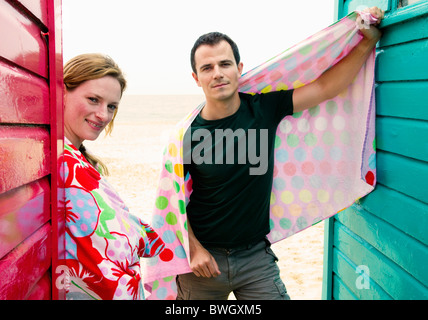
250	272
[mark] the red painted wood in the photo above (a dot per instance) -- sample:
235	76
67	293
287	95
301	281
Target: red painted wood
42	290
22	211
25	45
37	7
57	140
23	267
23	97
24	156
31	142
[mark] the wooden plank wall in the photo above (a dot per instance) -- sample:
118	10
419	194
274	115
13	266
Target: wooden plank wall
378	248
30	142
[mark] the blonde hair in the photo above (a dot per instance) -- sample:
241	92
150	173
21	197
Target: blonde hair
91	66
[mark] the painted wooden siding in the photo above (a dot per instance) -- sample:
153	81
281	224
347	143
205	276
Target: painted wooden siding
31	135
378	248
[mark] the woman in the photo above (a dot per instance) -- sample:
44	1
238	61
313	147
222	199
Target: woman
104	242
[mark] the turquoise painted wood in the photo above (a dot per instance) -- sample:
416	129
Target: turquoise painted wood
384	280
349	6
403	136
407	61
392	99
406	252
403	174
378	248
396	207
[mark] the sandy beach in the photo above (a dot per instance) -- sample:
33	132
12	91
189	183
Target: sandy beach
133	156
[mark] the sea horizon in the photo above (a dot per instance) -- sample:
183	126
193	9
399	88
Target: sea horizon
151	107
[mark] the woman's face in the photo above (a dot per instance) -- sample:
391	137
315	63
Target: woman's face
89	108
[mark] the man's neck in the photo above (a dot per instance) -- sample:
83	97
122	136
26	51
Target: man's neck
219	109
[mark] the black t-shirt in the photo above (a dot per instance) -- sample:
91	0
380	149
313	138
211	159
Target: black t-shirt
231	165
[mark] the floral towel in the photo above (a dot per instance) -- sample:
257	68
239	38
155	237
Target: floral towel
324	156
104	242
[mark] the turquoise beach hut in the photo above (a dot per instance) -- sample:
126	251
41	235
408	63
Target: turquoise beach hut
378	248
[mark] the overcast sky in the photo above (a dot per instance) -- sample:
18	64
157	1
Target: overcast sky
151	40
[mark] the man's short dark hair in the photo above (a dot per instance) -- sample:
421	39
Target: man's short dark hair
212	39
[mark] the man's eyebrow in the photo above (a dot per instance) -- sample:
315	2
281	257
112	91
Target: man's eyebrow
210	64
205	65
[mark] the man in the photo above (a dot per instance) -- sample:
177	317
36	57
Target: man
229	206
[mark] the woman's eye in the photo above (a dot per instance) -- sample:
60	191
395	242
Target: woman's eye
112	107
93	100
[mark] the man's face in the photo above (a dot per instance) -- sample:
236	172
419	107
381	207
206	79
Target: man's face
216	71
